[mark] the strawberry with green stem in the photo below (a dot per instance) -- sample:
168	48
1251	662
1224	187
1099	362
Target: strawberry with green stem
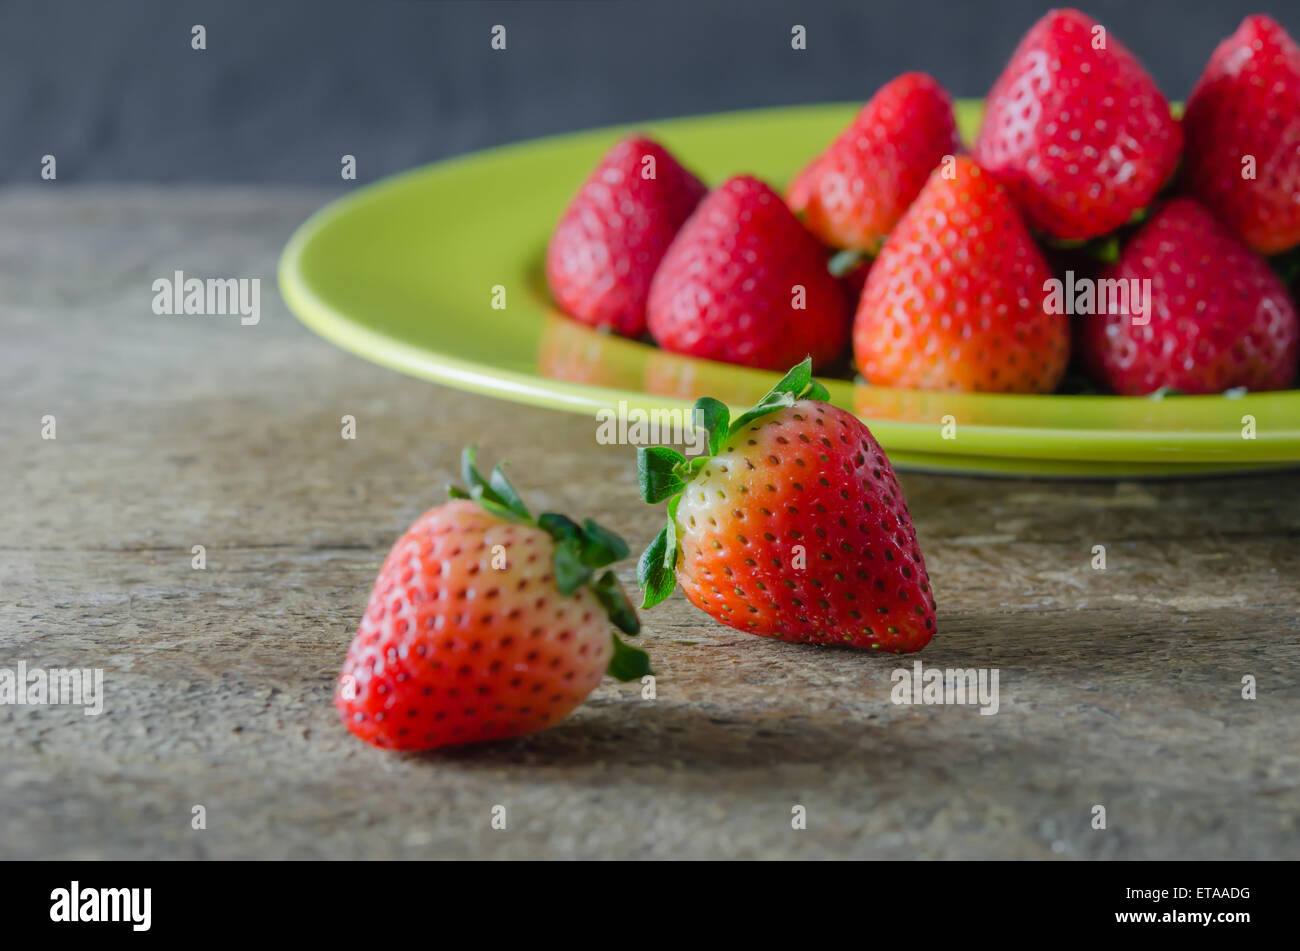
792	526
486	623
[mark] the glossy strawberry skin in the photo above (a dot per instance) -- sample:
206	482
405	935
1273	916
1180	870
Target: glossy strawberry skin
726	289
809	475
454	650
853	194
1247	103
955	301
1081	137
614	233
1220	318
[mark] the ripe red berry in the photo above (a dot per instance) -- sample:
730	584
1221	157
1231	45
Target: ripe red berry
1077	130
1243	136
853	194
484	624
744	282
1218	316
614	233
793	526
955	301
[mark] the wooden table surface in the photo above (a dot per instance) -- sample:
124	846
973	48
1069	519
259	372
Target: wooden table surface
1120	688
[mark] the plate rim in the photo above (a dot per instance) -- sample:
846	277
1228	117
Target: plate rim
1195	449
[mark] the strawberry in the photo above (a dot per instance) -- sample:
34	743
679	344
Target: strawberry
743	282
1218	318
484	624
1076	129
853	194
956	299
612	236
1243	136
791	526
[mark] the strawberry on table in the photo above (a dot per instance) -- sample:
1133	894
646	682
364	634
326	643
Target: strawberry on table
485	623
614	233
791	526
744	282
956	299
1077	130
1243	136
852	194
1219	317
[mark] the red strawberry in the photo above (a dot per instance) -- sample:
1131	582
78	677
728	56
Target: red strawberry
484	624
853	194
614	233
1076	129
744	283
956	299
1218	318
1243	136
793	526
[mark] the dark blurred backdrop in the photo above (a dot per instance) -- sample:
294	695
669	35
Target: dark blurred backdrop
115	92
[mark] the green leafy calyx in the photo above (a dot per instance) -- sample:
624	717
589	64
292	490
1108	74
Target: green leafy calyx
580	552
663	472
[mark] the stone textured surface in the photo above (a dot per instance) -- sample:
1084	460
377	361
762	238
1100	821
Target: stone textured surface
1119	687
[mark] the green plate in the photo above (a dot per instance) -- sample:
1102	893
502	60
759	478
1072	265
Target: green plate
403	273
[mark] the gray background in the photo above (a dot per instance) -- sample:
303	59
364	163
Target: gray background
115	92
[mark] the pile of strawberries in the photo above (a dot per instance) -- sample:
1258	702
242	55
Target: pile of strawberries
486	622
937	265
